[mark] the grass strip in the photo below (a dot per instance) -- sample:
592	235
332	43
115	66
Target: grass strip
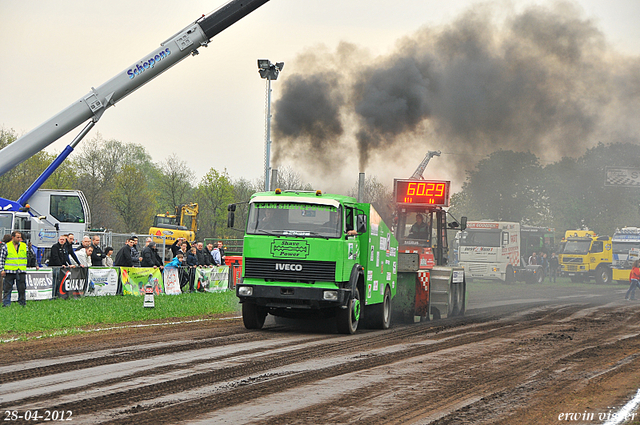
66	316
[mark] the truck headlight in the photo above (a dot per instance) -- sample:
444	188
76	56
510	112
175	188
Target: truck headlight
330	295
245	291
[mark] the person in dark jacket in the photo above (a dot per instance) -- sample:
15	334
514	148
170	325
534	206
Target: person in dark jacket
192	264
97	256
70	253
150	257
57	257
123	257
135	253
175	247
203	259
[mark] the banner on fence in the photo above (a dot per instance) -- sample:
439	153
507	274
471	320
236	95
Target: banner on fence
102	281
39	285
73	282
212	279
171	277
134	280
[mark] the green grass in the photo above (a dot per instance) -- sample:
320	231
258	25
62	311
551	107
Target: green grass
58	316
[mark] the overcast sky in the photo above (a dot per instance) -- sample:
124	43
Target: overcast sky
210	109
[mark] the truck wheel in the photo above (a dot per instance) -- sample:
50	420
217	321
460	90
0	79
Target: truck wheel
381	313
509	276
347	318
253	316
603	275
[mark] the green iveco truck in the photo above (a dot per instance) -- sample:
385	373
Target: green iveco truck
309	254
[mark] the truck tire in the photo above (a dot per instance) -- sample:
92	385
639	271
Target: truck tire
253	316
347	318
381	313
509	277
603	275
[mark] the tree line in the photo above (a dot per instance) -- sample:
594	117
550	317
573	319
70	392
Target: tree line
125	188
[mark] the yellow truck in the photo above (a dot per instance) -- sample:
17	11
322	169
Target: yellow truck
586	256
182	224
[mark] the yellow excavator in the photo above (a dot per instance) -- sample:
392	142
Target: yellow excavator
182	224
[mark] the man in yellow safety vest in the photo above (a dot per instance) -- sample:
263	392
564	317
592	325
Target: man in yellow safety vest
13	268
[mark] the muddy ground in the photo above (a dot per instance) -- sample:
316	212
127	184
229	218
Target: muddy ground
522	356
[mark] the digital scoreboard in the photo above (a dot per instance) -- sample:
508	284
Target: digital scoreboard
434	193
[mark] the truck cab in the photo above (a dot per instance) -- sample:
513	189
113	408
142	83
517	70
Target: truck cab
586	256
308	254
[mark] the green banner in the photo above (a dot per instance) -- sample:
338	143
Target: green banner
212	279
134	279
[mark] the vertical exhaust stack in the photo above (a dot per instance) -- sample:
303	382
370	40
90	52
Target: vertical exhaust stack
361	187
273	184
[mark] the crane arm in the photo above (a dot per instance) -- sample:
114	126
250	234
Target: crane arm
92	105
423	165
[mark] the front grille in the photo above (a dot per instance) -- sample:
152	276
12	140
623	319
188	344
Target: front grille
289	271
572	268
572	259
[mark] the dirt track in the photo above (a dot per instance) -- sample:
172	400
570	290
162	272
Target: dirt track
506	362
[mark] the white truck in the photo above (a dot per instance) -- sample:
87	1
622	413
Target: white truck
626	249
495	250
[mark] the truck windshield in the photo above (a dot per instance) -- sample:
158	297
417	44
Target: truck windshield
624	247
67	208
294	219
5	223
577	247
480	238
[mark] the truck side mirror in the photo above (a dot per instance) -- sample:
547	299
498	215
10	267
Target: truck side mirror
231	215
361	223
463	223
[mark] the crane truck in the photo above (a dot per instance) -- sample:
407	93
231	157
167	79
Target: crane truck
45	214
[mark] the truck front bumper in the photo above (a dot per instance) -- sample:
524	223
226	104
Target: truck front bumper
287	297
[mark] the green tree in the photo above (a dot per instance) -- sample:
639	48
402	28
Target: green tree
176	183
133	200
213	194
505	186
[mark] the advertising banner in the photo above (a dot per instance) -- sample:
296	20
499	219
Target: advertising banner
103	281
73	282
134	280
39	286
212	279
171	281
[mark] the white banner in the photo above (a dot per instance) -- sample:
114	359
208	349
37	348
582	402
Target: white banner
102	281
39	286
171	281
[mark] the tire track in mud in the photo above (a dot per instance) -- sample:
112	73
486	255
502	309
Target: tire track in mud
442	337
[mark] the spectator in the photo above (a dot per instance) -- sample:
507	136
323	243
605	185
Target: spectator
31	256
177	245
123	257
634	279
135	253
150	257
57	257
108	261
217	258
176	261
185	248
553	267
192	263
97	256
203	259
533	260
86	242
5	239
209	253
13	268
72	259
221	251
147	242
84	255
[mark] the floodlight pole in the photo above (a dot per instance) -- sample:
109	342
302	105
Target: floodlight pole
267	142
269	72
